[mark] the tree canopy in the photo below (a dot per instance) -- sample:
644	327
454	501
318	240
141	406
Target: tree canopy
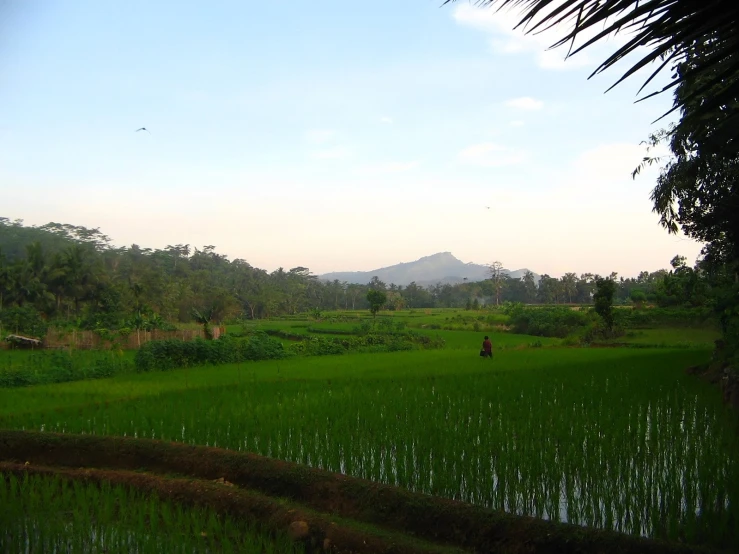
696	190
72	282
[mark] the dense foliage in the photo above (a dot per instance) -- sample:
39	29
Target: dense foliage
585	326
548	322
172	354
63	366
603	300
697	191
72	277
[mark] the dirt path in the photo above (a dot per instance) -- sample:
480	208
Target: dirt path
342	513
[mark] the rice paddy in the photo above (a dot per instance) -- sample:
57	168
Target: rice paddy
616	439
52	514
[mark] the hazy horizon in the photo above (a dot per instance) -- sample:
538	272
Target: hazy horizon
531	267
336	137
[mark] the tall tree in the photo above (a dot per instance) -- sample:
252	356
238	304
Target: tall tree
353	291
569	286
585	288
376	299
80	273
529	285
603	300
697	191
5	282
547	293
376	284
495	270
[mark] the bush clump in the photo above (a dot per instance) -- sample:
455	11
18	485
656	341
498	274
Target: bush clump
24	320
548	322
374	342
62	367
674	317
172	354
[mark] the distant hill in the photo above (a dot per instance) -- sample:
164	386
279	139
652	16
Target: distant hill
429	270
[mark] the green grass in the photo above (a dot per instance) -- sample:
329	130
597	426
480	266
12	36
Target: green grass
614	438
50	514
472	340
41	359
354	368
703	338
34	367
454	339
414	318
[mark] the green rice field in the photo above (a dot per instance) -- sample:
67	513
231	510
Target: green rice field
612	438
683	337
50	514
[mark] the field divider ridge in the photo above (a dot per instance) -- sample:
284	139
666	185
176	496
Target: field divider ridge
438	520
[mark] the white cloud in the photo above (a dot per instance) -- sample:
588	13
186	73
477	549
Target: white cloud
517	123
386	119
335	153
489	154
392	167
505	39
525	103
319	136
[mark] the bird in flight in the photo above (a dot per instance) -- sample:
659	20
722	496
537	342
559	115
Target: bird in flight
488	207
143	129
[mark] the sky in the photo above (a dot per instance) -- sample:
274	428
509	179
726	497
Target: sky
332	135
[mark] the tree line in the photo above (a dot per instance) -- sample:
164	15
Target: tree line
72	276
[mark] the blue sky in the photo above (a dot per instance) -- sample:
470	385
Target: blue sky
333	135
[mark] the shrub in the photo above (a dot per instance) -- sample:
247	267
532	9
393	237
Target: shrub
510	308
598	330
638	297
61	367
171	354
680	317
548	322
320	346
24	320
261	346
364	328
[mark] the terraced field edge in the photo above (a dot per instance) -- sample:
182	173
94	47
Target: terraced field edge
446	522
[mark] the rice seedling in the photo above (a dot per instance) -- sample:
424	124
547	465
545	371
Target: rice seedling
51	514
615	439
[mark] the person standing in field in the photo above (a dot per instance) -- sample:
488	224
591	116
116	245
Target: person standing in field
487	348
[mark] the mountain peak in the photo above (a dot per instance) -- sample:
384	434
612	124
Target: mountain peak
440	256
442	267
